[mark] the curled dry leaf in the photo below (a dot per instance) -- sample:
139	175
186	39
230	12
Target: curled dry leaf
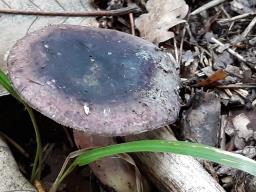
162	15
212	80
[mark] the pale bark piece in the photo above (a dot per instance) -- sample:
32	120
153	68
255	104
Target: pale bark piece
14	27
114	173
171	172
162	15
10	177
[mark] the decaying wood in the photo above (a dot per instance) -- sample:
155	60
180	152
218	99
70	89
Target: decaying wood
171	172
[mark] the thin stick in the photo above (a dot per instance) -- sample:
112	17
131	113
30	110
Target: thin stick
176	50
206	6
122	11
249	27
131	17
237	17
228	16
237	86
181	44
132	23
231	51
222	132
15	144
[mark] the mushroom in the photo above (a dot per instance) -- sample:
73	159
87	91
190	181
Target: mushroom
102	82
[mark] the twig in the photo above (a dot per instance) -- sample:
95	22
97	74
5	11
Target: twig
228	16
236	86
132	23
224	11
242	92
222	132
192	38
182	43
176	50
115	12
237	17
15	144
131	16
249	27
231	51
228	92
206	6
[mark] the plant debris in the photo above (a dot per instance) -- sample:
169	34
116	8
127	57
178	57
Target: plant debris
213	43
220	40
162	15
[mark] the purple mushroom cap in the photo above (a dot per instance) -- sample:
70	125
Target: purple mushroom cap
100	81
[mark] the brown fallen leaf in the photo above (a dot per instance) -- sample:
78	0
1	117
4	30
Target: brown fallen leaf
162	15
212	80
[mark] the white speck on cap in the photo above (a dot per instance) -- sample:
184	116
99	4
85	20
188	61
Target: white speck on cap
86	109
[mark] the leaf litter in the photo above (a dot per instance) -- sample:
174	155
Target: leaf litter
224	67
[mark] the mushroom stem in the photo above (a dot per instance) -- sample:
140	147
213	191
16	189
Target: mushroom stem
117	173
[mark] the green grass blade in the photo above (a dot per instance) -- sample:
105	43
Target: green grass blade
178	147
6	83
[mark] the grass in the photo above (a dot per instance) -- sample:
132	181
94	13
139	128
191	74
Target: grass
178	147
37	165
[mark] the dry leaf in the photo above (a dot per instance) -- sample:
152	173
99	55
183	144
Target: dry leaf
14	27
161	16
241	123
212	80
